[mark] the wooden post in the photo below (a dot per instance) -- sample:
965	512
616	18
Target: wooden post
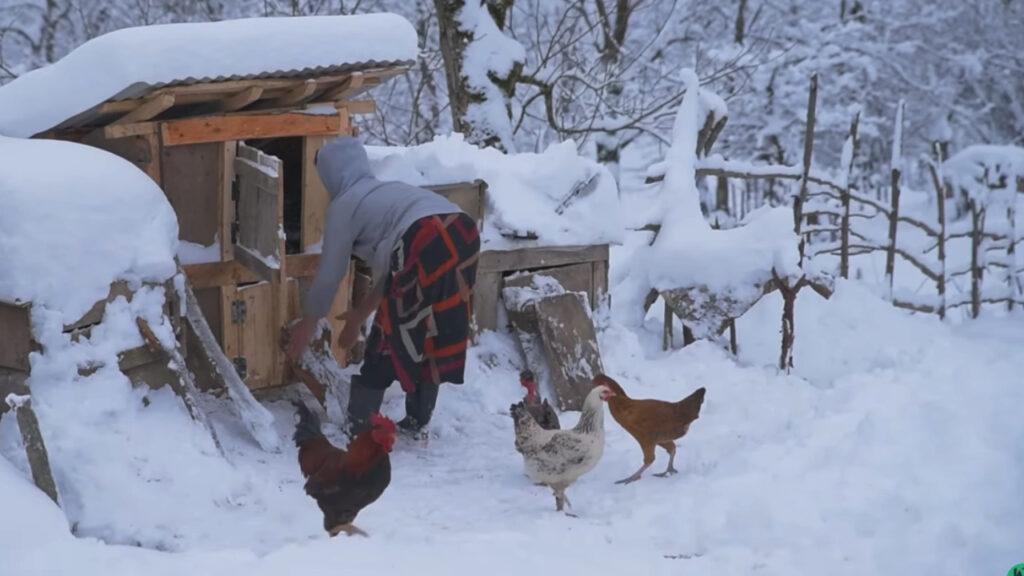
798	204
977	217
788	323
733	345
35	449
940	203
844	227
894	213
1011	246
666	336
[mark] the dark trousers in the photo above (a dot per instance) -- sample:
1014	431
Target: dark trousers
367	393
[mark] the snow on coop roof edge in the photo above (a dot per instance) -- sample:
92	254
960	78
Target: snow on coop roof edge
74	219
131	62
524	191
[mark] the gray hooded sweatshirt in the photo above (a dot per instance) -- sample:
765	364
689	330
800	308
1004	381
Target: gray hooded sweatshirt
366	217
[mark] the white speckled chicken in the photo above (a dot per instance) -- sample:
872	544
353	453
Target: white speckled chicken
557	458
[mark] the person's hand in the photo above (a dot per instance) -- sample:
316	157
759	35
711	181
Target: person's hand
350	331
299	338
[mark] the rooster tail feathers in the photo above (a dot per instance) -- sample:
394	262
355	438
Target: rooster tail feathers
308	426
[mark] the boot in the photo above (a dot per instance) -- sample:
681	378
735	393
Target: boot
419	407
362	401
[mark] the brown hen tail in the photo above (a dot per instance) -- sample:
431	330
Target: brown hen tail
308	426
690	406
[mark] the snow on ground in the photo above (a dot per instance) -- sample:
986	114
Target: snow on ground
132	58
894	448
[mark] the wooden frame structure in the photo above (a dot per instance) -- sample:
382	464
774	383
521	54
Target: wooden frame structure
236	159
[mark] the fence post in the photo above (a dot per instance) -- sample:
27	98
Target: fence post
976	217
666	336
844	226
798	204
940	203
894	215
1011	248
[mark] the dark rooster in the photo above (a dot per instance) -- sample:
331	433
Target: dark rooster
344	482
541	411
652	422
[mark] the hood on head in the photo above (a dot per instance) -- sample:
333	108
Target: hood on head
341	163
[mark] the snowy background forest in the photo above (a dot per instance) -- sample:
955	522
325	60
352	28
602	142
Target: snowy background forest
812	212
606	73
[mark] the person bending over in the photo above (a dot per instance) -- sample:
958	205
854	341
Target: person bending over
423	251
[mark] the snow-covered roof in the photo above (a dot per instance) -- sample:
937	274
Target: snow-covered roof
73	219
524	191
132	62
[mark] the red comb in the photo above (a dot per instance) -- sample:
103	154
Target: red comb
377	419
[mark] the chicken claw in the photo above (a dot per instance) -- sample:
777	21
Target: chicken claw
668	472
349	529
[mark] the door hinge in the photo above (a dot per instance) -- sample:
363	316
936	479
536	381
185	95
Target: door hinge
238	311
241	366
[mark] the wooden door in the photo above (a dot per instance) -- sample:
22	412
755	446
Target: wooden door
255	314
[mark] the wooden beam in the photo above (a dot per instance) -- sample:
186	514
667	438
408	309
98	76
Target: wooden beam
531	258
115	131
151	108
224	128
359	107
254	264
296	95
239	100
35	449
348	87
212	274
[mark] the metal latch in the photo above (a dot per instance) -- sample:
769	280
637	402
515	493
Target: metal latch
241	366
238	311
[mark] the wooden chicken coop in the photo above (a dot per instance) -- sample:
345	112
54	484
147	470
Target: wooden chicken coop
235	158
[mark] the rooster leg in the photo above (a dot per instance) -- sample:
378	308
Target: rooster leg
561	500
669	447
349	529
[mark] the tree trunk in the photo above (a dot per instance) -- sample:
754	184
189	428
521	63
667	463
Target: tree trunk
453	41
741	25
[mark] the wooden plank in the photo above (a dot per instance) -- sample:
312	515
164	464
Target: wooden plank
259	268
229	273
258	337
212	274
314	196
544	257
222	128
141	150
11	382
35	449
135	357
151	108
599	275
296	95
227	204
239	100
359	107
485	300
570	345
342	303
260	199
15	336
469	196
128	130
95	314
193	181
347	88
